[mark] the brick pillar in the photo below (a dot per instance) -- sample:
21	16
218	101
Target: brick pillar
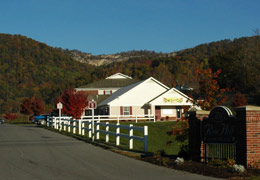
248	134
194	137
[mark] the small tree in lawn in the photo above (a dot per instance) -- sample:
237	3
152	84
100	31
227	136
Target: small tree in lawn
74	103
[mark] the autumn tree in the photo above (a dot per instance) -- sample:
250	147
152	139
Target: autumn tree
163	74
37	105
25	107
32	105
239	100
210	90
74	103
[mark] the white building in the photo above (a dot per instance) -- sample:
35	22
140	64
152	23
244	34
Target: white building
146	97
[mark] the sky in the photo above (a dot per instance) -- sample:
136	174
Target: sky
113	26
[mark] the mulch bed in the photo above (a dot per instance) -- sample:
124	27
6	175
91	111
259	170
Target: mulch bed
203	169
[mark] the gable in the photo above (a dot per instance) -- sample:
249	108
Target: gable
172	97
119	76
136	94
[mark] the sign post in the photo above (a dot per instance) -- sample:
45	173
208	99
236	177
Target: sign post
92	105
59	106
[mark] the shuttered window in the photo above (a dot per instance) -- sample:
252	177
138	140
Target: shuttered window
126	110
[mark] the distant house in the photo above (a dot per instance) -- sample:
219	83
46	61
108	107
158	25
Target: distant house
108	85
146	97
100	90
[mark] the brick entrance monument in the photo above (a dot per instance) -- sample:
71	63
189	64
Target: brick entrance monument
247	132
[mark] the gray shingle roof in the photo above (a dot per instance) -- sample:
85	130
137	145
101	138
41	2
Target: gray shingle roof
109	83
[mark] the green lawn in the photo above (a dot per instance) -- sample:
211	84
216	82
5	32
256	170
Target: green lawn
157	137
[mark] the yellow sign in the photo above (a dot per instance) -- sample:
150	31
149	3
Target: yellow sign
172	100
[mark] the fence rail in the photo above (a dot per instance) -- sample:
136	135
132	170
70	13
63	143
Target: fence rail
136	118
92	126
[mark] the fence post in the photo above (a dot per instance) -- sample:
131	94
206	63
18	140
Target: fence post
98	129
118	118
60	128
107	129
117	134
80	126
55	123
69	125
64	124
74	126
83	128
93	125
135	118
89	128
145	138
131	133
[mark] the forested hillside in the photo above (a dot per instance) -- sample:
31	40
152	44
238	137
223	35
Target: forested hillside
238	60
29	68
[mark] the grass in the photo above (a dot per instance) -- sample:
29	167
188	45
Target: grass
157	137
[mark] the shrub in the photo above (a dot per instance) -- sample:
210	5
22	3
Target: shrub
179	161
216	162
254	164
230	162
10	116
238	168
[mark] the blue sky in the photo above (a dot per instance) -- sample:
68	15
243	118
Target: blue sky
112	26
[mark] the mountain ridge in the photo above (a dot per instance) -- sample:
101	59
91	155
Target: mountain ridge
30	68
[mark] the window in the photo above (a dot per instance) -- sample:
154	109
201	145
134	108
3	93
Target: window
88	112
107	92
126	110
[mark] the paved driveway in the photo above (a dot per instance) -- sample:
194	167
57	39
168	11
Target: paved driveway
32	153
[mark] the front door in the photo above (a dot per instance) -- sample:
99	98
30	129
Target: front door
157	112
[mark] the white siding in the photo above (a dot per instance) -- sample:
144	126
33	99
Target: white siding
139	95
114	110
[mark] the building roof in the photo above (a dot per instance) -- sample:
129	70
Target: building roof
127	89
97	98
117	80
110	83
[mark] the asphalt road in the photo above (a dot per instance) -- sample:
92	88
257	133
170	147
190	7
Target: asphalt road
32	153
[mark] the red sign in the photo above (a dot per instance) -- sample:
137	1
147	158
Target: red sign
92	104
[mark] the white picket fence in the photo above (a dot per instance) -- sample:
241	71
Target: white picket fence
92	126
118	118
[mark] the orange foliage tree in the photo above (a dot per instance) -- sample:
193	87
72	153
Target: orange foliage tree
209	89
239	100
74	103
32	105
